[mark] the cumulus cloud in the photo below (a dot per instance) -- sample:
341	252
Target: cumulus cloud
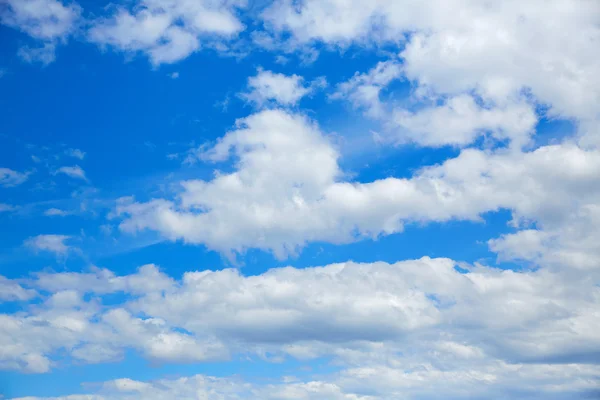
10	178
417	325
276	200
269	87
504	53
167	31
49	21
364	90
50	243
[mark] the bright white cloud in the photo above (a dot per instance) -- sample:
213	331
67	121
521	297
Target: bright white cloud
497	51
364	90
277	200
41	19
49	21
51	243
417	325
459	121
74	171
168	31
267	87
10	178
11	290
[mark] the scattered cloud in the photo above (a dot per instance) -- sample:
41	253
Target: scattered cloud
76	153
55	212
50	243
11	178
49	21
267	87
44	55
72	171
167	31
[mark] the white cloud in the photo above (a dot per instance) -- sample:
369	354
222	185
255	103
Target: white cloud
13	291
277	200
267	87
418	326
49	21
41	19
167	31
46	54
76	153
363	90
459	121
55	212
74	171
10	178
545	383
497	51
51	243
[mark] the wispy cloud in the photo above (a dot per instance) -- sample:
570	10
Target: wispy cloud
74	171
76	153
10	178
49	243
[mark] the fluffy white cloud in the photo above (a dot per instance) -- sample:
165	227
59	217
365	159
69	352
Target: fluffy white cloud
167	31
10	178
41	19
268	87
545	382
459	121
74	171
419	326
51	243
277	200
504	53
13	291
496	48
364	90
49	21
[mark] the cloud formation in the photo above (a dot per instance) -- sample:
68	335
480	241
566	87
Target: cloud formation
417	325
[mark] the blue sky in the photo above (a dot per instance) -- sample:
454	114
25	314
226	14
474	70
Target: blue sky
299	200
